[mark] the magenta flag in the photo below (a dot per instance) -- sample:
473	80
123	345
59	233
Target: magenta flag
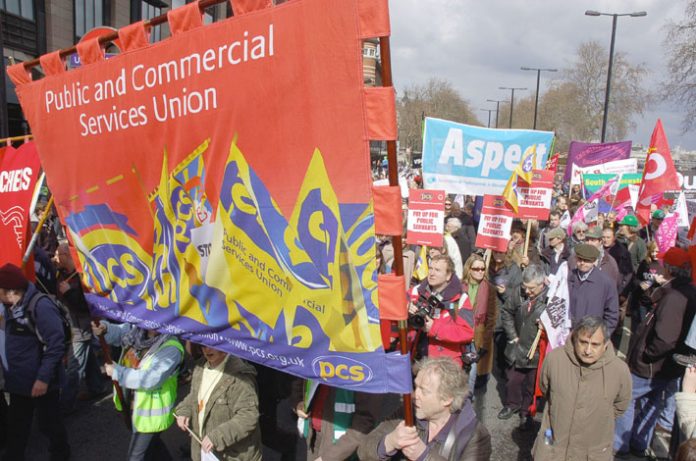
588	154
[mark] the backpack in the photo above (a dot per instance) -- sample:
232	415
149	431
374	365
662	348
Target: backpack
64	317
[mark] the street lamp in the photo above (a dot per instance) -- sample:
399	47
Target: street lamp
614	16
536	99
489	115
497	108
512	98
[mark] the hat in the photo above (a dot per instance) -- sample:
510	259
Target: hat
586	251
677	257
594	233
658	214
630	220
556	232
12	278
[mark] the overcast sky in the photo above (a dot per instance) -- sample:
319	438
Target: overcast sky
481	45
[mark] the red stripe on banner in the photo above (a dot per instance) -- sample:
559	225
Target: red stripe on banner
19	74
90	51
388	215
380	111
374	18
134	36
391	295
185	18
52	63
247	6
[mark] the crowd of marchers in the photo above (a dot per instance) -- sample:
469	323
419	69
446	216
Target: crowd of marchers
622	385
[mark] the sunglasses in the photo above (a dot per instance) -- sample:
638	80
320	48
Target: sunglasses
478	269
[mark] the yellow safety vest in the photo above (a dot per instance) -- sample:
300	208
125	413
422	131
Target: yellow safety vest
153	409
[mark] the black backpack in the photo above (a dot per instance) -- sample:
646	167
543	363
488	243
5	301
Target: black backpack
64	316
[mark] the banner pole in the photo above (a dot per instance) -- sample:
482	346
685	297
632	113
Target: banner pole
125	404
526	239
37	231
393	168
24	137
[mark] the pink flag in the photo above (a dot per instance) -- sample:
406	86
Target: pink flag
666	234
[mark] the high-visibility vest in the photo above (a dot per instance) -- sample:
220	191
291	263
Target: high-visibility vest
153	408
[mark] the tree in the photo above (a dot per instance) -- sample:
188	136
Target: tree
573	106
436	98
680	86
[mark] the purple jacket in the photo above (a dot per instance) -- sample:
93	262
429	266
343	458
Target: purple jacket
596	296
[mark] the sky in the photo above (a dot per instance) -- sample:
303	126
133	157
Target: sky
480	45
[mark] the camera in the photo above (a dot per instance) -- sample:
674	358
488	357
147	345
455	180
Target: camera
470	357
428	306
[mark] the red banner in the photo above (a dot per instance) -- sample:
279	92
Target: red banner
495	224
534	202
19	170
216	185
426	214
659	174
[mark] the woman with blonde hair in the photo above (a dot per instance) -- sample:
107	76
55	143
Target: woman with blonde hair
482	297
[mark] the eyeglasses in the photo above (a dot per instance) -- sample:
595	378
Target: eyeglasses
478	269
580	232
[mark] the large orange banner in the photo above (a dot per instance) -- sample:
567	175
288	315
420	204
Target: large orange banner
216	185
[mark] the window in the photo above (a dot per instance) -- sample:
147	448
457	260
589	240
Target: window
88	15
369	52
149	11
23	8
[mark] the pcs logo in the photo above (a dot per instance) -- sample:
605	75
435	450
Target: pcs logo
341	368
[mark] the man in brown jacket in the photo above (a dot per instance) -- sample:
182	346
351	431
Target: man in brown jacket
586	386
222	409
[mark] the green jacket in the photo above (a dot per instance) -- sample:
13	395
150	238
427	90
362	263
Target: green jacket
231	419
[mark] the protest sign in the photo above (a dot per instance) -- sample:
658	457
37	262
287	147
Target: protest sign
465	159
556	317
426	214
618	196
282	171
495	224
581	154
613	168
535	200
19	170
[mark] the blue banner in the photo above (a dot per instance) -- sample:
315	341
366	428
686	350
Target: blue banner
465	159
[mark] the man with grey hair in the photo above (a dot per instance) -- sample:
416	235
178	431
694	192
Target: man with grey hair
520	320
586	387
654	372
446	426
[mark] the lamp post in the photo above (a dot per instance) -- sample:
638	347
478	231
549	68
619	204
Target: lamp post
489	115
512	98
497	108
536	99
614	16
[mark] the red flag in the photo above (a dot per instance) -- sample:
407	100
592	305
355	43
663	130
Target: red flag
552	163
659	173
19	171
543	346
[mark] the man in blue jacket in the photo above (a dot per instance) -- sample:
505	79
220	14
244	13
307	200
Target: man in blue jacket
34	349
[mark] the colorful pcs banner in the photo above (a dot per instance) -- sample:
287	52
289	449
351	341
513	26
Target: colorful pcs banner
464	159
19	171
227	197
426	217
495	224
